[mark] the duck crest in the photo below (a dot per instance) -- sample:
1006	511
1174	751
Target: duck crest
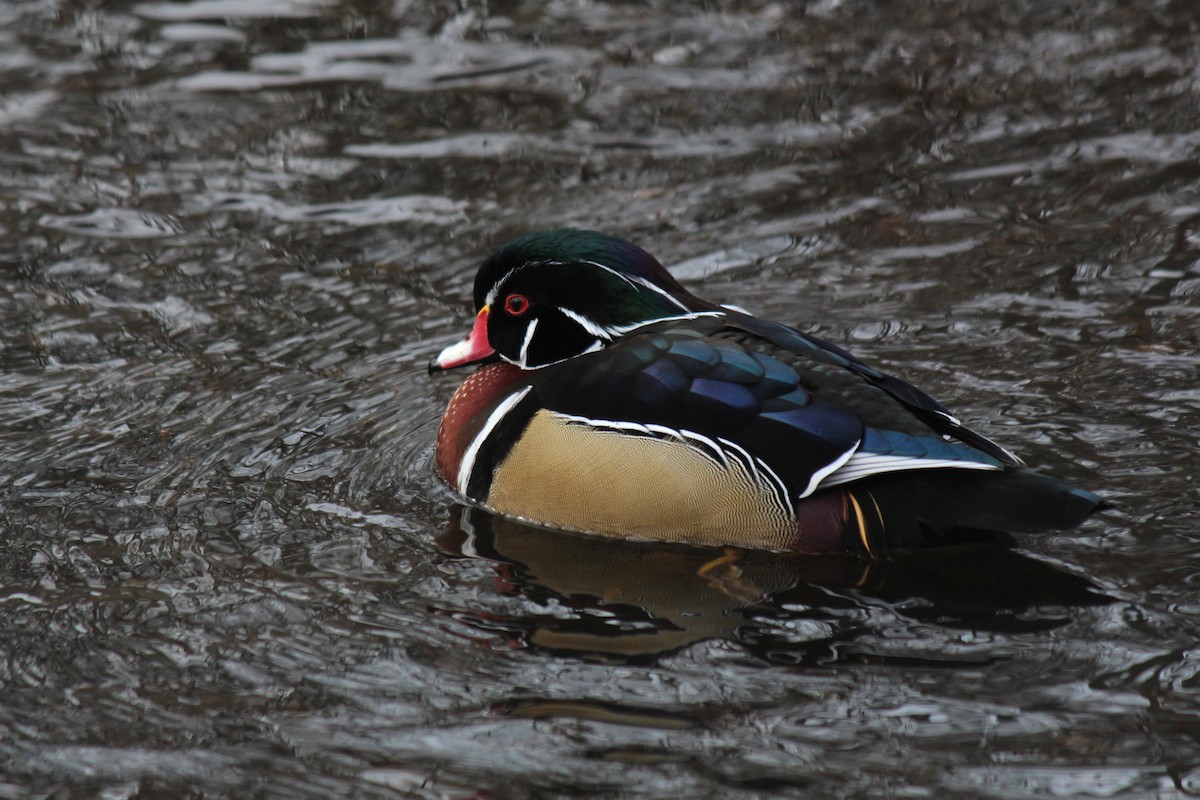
625	406
576	250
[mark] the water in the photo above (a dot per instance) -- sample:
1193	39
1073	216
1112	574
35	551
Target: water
234	233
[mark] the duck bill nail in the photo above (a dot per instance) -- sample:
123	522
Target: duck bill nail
473	349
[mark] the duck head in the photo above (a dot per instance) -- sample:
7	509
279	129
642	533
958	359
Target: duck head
549	296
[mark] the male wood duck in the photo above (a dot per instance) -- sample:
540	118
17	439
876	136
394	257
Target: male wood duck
613	401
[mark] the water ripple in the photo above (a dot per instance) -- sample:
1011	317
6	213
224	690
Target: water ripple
234	233
116	223
232	9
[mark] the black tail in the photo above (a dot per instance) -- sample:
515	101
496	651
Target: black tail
933	507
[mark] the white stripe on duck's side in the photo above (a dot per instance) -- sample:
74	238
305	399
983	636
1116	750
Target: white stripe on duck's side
824	472
472	451
757	466
862	465
849	466
721	452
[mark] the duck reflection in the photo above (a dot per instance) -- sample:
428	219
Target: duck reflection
632	600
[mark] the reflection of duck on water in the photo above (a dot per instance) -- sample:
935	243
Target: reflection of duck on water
635	599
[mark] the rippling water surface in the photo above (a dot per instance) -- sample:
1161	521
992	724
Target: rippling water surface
232	234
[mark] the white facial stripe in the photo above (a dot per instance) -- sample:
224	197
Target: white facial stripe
662	291
596	345
468	461
621	330
623	277
494	292
635	282
524	356
586	324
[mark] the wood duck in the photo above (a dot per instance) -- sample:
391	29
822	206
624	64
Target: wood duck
613	401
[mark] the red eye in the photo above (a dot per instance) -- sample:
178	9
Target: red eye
516	304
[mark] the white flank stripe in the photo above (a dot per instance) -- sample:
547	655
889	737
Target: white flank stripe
708	448
783	492
746	457
862	465
710	444
468	462
831	467
663	430
603	423
719	454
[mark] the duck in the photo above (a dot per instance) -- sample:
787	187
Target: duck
609	400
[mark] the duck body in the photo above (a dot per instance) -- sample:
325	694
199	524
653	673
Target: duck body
612	401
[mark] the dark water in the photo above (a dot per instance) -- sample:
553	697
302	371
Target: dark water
232	234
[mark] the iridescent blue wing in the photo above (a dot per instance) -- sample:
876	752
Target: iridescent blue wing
926	409
799	416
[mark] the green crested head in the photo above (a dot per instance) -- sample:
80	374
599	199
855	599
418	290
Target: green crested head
548	296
